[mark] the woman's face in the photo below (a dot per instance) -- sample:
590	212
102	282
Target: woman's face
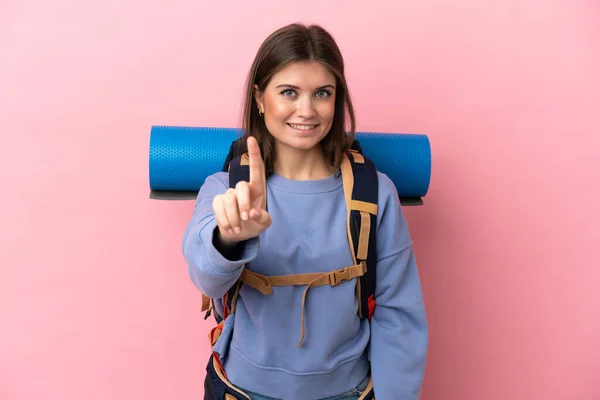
299	105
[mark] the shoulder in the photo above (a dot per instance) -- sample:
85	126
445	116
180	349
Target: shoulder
390	216
218	178
386	186
387	195
214	184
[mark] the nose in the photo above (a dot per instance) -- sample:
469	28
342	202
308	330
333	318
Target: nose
306	107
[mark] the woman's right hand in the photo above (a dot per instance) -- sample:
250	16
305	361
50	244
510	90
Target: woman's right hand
241	212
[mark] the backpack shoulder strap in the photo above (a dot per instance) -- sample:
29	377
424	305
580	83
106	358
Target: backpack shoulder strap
359	177
236	149
239	170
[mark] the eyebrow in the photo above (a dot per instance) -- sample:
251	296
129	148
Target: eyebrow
297	88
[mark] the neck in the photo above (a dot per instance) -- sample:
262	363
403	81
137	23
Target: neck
301	165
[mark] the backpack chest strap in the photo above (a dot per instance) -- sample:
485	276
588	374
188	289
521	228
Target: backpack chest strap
264	283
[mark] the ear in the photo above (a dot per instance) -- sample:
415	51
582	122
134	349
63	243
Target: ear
258	96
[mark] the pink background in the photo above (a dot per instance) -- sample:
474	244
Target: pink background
95	298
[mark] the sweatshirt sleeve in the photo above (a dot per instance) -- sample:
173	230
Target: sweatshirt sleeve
211	272
399	331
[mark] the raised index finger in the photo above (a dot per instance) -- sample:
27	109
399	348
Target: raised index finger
256	163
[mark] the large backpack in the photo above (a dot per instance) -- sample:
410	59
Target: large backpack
360	183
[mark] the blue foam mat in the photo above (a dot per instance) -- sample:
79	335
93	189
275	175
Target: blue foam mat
182	157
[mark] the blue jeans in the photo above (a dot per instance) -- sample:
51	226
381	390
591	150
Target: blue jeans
352	394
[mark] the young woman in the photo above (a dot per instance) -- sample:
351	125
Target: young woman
291	218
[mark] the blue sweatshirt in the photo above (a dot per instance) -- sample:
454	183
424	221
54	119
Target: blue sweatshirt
308	234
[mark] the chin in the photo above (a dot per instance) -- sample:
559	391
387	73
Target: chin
304	144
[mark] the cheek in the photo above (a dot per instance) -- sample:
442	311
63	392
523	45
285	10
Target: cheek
327	111
278	109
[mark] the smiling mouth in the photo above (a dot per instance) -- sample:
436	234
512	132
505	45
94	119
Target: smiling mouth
303	127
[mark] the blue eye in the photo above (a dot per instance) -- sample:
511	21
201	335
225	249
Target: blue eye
288	92
323	93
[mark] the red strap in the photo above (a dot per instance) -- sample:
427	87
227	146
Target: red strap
371	305
215	332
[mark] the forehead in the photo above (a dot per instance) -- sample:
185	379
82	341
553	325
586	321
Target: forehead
304	75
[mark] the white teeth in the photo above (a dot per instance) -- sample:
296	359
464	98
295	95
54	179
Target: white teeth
302	127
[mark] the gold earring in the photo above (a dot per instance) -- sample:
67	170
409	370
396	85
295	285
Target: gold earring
260	112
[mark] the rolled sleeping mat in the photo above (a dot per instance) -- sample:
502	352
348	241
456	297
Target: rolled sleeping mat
181	158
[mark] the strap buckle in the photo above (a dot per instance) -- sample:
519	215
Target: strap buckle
339	276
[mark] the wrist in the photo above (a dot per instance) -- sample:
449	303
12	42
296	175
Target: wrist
224	242
230	249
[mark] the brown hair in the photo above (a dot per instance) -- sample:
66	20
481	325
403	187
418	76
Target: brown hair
298	43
